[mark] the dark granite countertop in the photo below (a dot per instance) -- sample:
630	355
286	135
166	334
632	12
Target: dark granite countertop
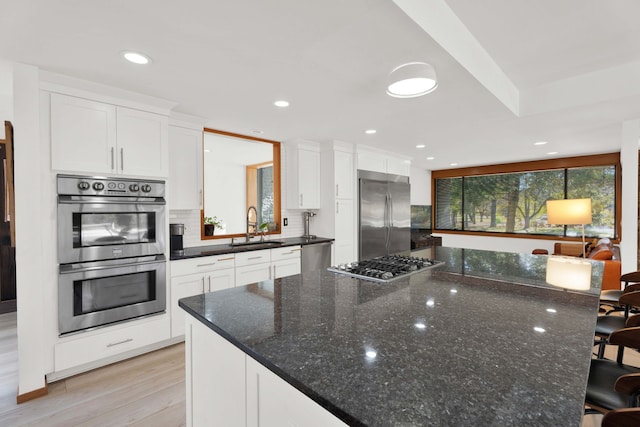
200	251
483	340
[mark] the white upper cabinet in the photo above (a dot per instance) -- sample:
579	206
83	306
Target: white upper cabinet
142	142
94	137
83	135
380	162
303	179
185	168
344	173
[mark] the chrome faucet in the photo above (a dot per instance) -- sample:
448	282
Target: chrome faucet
252	224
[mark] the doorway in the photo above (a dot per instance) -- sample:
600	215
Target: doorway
7	225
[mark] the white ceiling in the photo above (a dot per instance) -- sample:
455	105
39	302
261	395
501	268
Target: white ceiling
511	72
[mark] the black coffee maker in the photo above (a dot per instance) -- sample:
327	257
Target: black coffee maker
176	231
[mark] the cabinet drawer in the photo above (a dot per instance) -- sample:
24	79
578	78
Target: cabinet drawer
253	257
82	349
202	264
289	252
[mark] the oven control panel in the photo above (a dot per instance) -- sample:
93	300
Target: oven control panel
72	185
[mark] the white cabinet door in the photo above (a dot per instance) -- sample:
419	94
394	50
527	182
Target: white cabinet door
303	177
309	179
185	168
253	273
345	232
284	268
83	135
215	379
142	143
271	401
182	287
398	166
220	279
344	175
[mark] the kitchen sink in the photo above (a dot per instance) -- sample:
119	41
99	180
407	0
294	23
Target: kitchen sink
266	243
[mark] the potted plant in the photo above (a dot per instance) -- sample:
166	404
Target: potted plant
210	224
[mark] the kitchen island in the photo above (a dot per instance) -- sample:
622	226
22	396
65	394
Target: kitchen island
484	339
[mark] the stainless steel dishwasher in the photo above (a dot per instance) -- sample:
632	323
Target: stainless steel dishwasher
316	256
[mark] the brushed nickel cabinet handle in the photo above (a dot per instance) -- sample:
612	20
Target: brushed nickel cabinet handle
205	265
112	158
225	259
119	342
122	159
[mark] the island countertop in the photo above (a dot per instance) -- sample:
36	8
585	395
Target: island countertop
482	340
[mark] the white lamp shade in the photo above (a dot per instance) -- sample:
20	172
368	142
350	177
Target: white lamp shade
569	273
411	80
569	211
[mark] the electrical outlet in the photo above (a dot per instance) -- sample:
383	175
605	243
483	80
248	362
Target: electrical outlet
285	222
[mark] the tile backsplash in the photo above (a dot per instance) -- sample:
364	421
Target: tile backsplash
191	221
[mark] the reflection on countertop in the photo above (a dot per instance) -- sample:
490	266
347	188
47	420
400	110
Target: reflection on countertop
209	250
481	340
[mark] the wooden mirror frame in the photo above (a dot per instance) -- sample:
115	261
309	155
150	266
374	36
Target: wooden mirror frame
277	210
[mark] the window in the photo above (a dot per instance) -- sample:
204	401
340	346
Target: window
501	199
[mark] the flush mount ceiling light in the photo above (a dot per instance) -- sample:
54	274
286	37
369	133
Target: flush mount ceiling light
411	80
370	131
136	57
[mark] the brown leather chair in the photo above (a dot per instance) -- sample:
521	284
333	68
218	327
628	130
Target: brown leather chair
627	417
606	325
610	298
612	385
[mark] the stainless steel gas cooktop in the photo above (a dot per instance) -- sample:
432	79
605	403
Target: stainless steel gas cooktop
385	268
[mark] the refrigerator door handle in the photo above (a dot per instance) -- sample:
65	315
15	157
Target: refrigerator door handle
388	220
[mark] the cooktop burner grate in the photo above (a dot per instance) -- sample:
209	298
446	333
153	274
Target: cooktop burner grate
385	268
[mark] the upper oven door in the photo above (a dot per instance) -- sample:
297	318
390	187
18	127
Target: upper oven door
101	228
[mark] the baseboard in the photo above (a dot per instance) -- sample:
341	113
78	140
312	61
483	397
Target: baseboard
33	394
8	306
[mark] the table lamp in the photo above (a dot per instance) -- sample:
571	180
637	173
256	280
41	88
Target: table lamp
570	211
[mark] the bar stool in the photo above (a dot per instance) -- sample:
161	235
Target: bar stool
612	385
627	417
606	325
611	297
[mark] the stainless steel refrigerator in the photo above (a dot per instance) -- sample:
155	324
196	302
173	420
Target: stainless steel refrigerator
385	214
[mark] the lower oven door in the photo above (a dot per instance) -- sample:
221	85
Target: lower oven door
100	293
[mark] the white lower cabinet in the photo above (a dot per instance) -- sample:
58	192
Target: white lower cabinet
215	372
195	276
90	347
285	261
226	387
253	266
267	264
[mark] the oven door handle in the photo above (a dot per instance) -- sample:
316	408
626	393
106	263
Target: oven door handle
110	200
96	266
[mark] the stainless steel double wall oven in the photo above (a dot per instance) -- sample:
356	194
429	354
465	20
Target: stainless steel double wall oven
111	244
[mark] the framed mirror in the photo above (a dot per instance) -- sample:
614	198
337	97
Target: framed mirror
240	173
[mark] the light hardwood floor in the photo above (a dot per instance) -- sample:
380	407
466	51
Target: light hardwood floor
148	390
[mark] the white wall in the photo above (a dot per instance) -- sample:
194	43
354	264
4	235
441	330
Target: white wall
6	94
33	219
630	137
420	186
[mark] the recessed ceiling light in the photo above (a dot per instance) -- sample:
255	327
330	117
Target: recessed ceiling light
370	131
257	131
430	158
420	146
136	57
551	153
540	143
453	164
281	103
